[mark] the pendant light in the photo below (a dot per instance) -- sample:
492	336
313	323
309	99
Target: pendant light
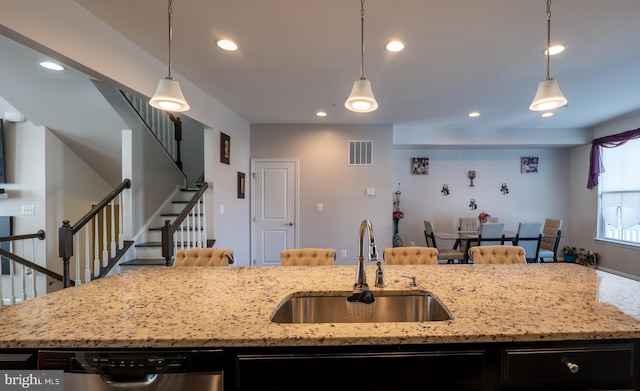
168	95
361	99
548	96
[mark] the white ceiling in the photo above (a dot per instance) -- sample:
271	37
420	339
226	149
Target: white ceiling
297	57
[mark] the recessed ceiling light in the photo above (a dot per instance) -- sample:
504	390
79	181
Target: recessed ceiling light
51	65
474	114
321	113
555	49
227	44
394	46
547	114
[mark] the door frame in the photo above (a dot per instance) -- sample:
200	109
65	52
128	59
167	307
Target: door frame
296	209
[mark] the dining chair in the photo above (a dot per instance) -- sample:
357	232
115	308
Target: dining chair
204	257
528	237
551	233
491	234
445	254
499	254
307	257
410	255
468	224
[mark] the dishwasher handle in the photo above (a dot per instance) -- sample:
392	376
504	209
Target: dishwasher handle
129	382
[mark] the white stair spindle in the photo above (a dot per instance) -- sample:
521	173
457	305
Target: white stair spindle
12	296
204	223
77	257
113	228
120	223
23	274
33	275
105	252
87	259
96	255
199	218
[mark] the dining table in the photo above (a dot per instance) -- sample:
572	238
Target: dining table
468	237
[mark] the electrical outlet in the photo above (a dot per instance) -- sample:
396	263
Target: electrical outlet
28	210
320	207
412	244
343	253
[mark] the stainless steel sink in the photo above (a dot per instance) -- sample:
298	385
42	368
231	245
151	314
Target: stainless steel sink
331	307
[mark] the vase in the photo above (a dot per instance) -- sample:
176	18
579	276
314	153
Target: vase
397	240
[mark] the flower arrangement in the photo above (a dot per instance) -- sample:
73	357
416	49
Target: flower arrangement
484	217
580	255
589	258
397	213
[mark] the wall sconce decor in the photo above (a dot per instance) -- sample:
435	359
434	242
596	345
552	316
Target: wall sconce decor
445	190
472	174
504	189
472	204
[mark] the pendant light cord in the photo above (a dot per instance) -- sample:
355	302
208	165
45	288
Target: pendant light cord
361	39
170	12
548	35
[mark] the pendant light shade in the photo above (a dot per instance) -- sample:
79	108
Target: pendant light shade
361	99
548	96
168	95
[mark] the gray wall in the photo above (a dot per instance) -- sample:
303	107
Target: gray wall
325	177
531	197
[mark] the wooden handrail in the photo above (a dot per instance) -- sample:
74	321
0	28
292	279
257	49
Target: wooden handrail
105	201
66	231
32	265
38	235
169	228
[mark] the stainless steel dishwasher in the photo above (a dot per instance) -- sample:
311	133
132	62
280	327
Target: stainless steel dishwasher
148	370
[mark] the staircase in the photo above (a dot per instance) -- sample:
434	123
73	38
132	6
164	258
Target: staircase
149	253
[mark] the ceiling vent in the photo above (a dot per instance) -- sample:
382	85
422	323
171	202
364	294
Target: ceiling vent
360	153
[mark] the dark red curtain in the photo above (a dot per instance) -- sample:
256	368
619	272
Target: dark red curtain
595	163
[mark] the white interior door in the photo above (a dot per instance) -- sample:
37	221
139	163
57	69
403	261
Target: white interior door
275	209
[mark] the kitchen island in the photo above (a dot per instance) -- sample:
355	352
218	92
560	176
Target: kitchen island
498	313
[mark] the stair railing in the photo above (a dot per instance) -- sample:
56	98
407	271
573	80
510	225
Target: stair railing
107	240
166	128
21	274
188	230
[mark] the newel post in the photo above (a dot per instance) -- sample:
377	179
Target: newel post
65	250
167	242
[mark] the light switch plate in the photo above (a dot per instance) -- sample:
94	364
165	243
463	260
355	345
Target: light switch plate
28	210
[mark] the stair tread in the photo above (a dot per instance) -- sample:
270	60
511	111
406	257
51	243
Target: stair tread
145	262
149	244
160	228
176	214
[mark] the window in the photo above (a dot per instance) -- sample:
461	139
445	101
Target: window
619	212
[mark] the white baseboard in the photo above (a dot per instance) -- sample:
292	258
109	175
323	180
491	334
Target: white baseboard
618	273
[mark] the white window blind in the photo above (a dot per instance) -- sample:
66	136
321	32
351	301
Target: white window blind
620	193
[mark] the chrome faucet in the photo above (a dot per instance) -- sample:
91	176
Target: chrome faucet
361	277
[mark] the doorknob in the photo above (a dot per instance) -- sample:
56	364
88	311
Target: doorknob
289	224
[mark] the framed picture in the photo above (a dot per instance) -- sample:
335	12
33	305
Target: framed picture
225	148
420	165
529	165
241	184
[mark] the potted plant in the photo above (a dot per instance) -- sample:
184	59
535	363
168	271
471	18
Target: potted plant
588	258
570	254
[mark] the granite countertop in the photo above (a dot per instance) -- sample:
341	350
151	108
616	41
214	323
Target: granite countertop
231	306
